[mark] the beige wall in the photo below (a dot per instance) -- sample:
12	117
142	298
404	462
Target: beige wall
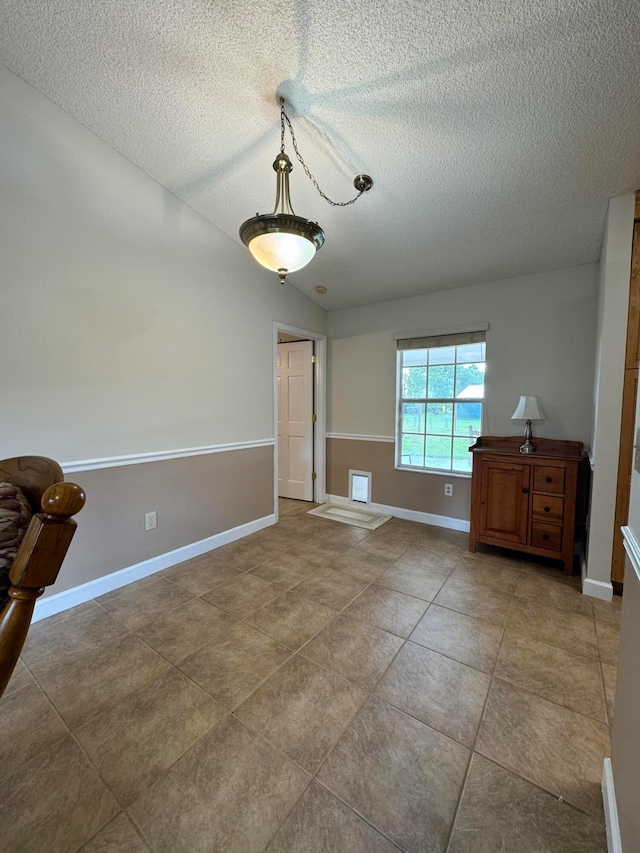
391	487
195	498
613	301
128	325
541	340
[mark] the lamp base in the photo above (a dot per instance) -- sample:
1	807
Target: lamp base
527	447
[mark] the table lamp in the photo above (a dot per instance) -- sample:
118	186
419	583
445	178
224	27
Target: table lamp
528	409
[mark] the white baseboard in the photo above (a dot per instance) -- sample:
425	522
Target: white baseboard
614	840
406	514
597	589
85	592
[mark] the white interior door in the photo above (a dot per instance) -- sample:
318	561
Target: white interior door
295	425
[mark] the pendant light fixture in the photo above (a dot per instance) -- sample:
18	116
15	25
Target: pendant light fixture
281	241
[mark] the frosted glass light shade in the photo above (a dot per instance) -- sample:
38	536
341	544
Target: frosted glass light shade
282	242
528	409
279	250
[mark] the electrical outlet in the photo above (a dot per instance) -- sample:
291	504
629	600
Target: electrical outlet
150	520
448	490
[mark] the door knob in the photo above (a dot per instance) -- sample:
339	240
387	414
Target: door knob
525	491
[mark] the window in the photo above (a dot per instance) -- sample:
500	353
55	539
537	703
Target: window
441	393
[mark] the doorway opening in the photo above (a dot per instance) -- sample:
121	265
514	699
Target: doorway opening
299	417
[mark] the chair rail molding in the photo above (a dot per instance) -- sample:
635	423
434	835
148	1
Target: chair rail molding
161	455
353	437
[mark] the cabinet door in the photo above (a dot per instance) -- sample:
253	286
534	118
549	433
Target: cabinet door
504	501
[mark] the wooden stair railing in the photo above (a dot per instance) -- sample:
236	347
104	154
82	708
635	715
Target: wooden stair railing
42	550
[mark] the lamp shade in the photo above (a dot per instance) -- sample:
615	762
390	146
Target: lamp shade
282	250
528	409
282	242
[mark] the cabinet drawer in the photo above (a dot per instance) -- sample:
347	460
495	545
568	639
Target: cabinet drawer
546	507
547	536
548	479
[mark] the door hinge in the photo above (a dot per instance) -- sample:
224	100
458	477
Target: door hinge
314	418
314	359
313	476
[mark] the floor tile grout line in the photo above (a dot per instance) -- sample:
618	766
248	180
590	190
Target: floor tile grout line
344	677
286	817
230	711
320	601
555	701
553	646
330	753
124	807
274	746
552	701
513	632
540	788
609	712
404	641
510	770
357	813
135	828
56	713
531	693
429	725
560	648
475	740
92	763
36	627
107	643
538	785
143	686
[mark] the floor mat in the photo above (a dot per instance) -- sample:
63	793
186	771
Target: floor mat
350	515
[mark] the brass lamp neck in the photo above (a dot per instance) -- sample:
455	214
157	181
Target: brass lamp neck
282	167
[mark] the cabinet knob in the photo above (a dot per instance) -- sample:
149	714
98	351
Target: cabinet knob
549	479
525	491
545	536
547	509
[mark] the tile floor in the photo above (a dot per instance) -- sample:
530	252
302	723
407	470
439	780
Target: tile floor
316	687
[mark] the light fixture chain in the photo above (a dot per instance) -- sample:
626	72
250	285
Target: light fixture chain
284	117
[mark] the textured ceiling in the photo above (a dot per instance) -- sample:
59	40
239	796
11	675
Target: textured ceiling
495	131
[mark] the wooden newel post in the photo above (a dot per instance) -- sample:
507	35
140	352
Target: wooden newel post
36	566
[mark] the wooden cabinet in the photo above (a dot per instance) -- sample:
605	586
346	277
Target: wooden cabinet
526	502
504	500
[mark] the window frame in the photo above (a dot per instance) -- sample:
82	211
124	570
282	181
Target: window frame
447	472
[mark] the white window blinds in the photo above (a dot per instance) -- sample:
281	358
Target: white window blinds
452	340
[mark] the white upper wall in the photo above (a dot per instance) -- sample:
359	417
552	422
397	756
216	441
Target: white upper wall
541	341
128	322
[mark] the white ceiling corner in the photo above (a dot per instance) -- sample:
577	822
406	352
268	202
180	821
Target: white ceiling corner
495	131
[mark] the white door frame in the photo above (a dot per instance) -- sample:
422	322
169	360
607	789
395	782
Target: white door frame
319	407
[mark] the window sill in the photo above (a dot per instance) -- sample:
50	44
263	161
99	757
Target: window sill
439	471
